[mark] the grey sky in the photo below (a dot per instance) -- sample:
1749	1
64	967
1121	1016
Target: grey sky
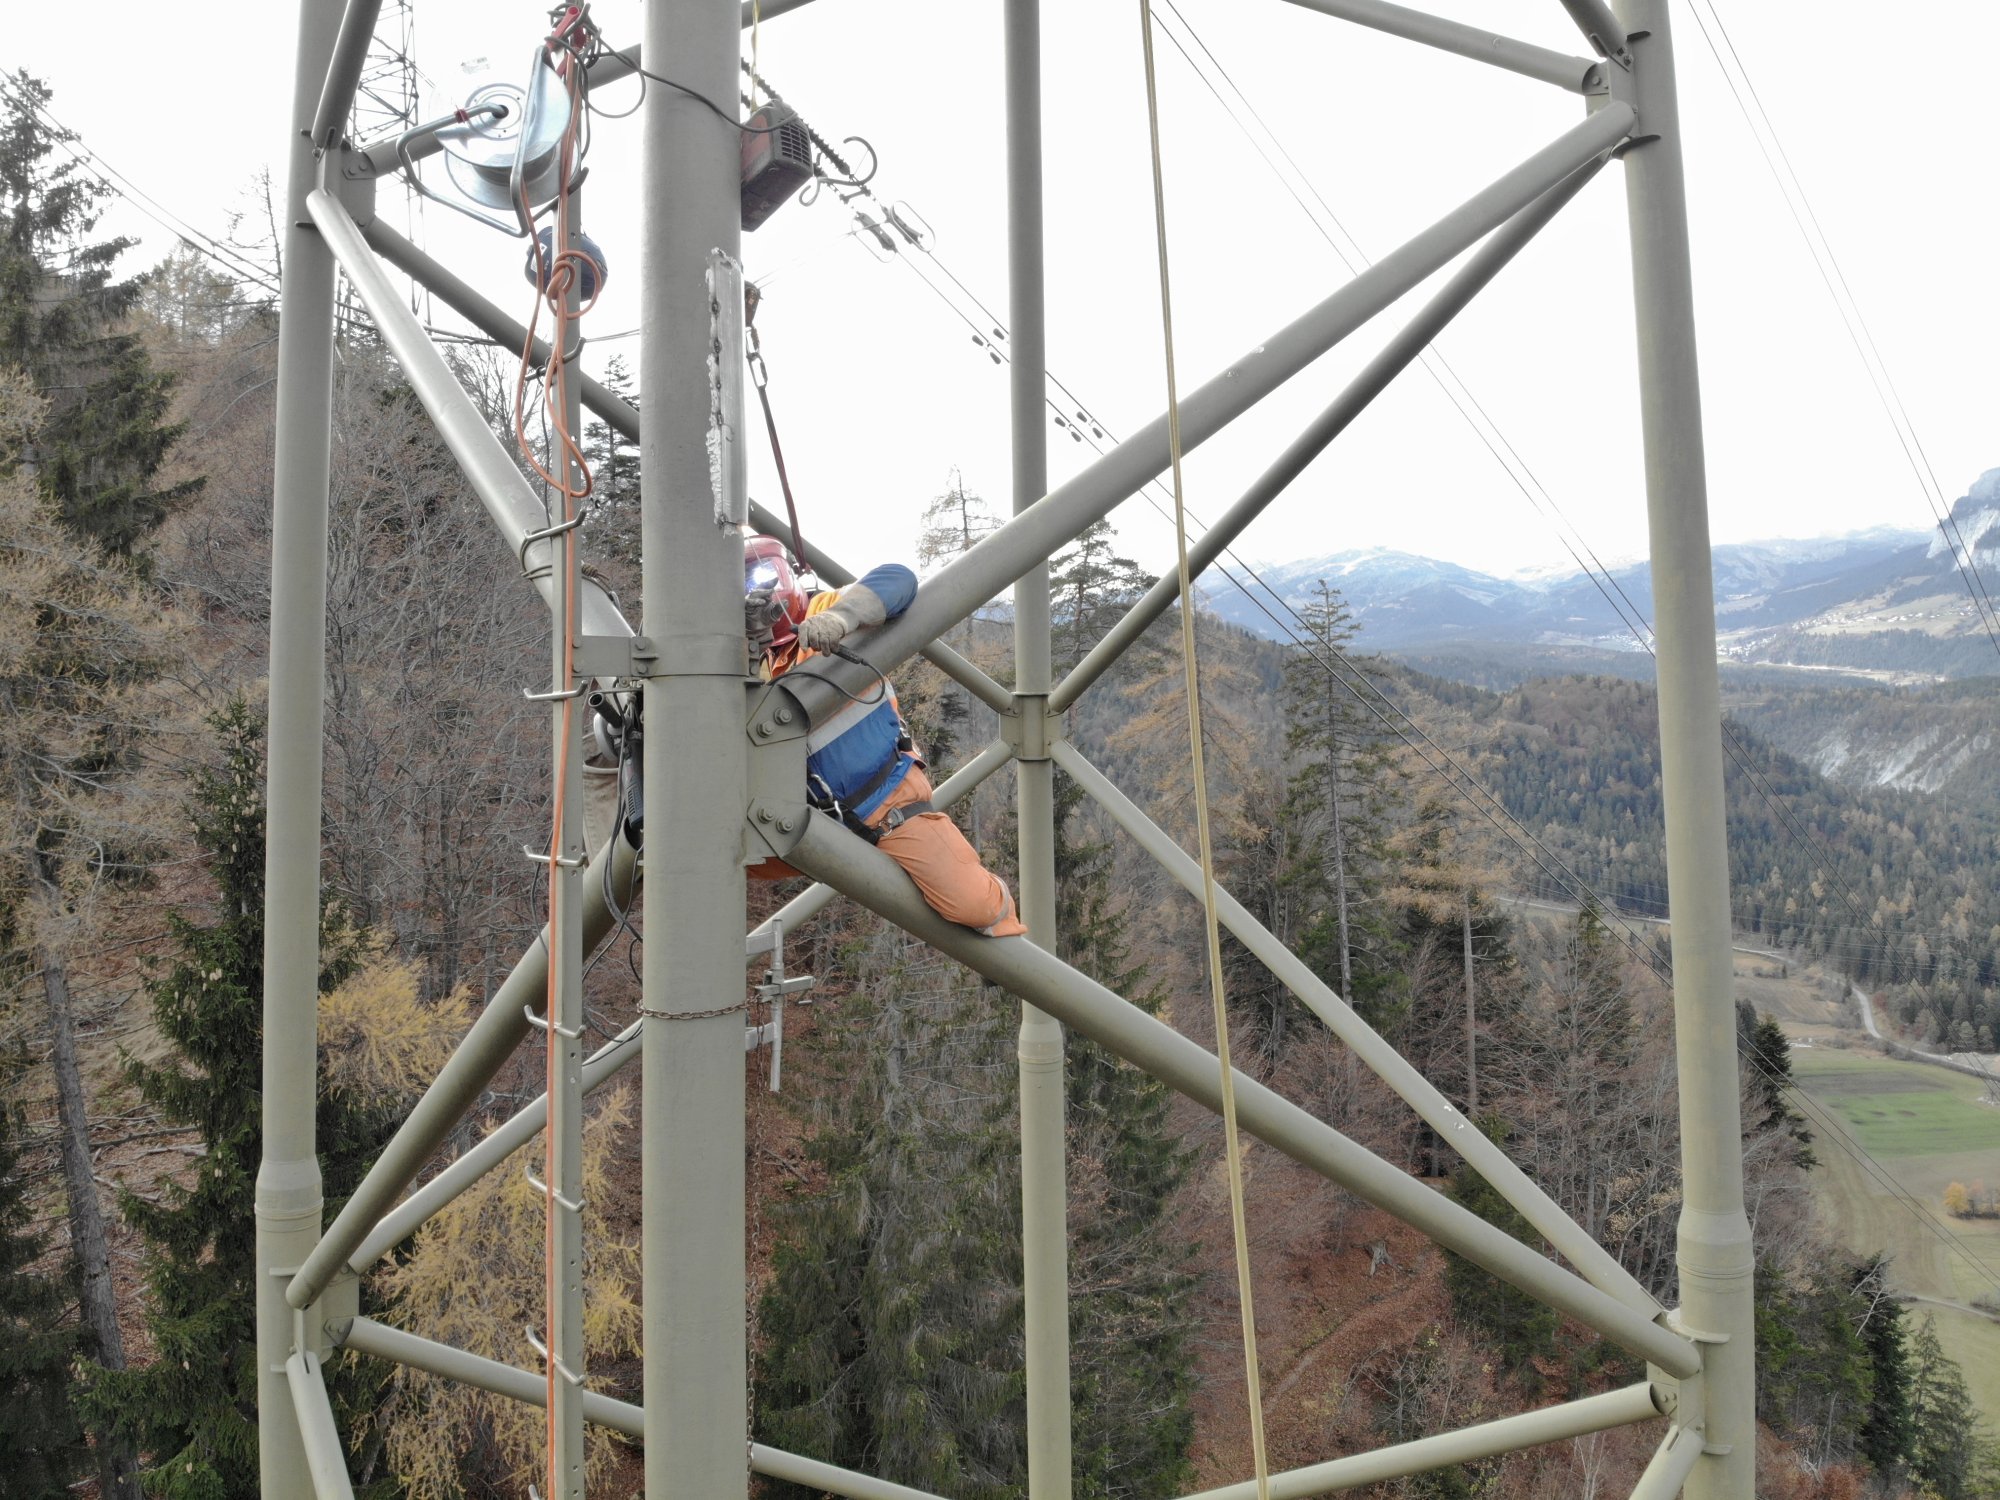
881	391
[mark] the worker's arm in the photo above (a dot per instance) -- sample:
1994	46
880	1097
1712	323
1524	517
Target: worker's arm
881	594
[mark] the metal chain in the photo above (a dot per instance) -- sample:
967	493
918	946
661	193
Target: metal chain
695	1015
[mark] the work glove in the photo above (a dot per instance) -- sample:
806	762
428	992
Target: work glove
857	608
760	615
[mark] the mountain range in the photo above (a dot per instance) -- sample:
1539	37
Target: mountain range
1891	604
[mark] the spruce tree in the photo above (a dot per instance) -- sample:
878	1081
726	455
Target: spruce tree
889	1332
1767	1063
41	1446
193	1409
1130	1364
62	319
1887	1434
1521	1326
1336	797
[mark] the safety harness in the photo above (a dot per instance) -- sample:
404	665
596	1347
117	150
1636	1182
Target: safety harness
822	799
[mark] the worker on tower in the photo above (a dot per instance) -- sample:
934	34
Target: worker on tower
861	764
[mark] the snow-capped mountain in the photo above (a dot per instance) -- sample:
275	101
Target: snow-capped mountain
1887	599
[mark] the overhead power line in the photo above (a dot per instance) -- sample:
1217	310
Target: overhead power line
1799	204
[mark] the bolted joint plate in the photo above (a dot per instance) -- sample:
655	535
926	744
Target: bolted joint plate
1030	730
1622	85
776	812
338	1306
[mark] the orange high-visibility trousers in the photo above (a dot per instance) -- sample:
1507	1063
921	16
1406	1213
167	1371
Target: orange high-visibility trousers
939	859
944	864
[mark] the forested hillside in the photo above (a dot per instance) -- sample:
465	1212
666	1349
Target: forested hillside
884	1310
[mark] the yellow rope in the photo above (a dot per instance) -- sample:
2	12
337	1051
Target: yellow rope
1245	1301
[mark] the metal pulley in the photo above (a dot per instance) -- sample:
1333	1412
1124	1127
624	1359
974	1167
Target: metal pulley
504	152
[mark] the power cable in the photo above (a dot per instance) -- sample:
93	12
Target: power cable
1601	577
92	162
1820	248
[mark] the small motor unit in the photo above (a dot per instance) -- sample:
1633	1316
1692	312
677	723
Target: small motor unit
777	161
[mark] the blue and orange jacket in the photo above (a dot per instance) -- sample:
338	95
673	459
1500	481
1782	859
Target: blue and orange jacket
848	752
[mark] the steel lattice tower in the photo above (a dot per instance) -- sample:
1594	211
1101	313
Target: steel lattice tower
734	773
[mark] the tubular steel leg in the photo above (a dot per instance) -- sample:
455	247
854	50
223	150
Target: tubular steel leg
1715	1256
563	1157
1044	1184
288	1179
692	1161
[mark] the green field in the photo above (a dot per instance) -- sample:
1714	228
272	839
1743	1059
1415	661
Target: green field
1900	1133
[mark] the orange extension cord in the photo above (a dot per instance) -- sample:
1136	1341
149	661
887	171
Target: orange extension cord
554	278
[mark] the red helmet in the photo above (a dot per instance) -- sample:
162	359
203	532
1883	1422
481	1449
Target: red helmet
765	566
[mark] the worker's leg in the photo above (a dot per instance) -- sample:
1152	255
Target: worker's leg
945	867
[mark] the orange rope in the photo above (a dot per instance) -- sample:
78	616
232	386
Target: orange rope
555	277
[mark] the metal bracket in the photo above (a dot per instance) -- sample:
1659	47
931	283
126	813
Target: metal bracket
612	656
574	1205
560	1368
1030	730
1622	85
1674	1321
339	1305
774	716
727	480
574	1033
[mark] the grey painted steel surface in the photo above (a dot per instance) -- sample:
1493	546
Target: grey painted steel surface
1039	1042
1576	74
623	418
343	71
288	1205
563	1198
1058	518
1714	1250
828	852
365	1336
518	1129
486	1047
1600	28
1395	357
1591	1259
1550	1424
509	499
1671	1465
326	1455
692	1251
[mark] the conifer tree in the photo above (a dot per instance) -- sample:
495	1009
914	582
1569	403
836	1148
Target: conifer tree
76	635
1521	1326
41	1446
193	1409
1336	797
62	319
1945	1448
889	1338
1767	1063
1131	1381
1887	1435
